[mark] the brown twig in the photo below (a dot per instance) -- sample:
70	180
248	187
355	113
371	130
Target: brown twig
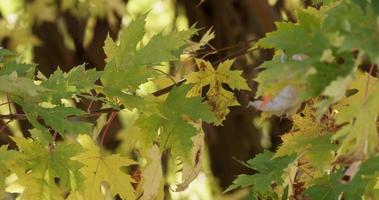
166	74
9	103
157	93
109	122
90	104
5	125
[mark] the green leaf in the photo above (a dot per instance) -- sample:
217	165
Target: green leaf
325	75
177	132
20	68
355	22
330	187
305	37
128	62
20	86
4	53
177	104
43	165
66	85
269	171
278	73
55	117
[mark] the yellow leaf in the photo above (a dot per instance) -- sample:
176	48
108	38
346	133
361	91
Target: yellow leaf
309	140
153	175
101	170
191	170
218	98
196	46
360	85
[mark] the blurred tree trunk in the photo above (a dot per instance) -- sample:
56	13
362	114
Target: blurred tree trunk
234	22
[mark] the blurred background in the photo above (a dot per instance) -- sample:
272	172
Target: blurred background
67	33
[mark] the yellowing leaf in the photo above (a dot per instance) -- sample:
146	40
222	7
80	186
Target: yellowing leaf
103	169
191	170
153	175
38	167
195	46
359	85
359	138
218	98
309	140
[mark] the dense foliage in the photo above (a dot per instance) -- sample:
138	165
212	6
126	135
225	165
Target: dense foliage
78	166
323	77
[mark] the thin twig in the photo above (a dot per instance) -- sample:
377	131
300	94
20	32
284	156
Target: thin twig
156	93
5	125
91	103
225	48
236	54
9	103
168	75
109	122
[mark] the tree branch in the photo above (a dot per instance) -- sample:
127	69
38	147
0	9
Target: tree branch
94	112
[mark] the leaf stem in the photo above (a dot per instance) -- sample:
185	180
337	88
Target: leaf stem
368	80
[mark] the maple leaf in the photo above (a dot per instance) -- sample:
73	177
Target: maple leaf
325	75
348	19
66	85
305	37
218	98
20	86
55	117
100	169
22	69
190	171
308	138
269	171
127	63
176	131
153	175
279	73
6	156
359	138
360	111
43	166
204	41
361	89
331	186
310	67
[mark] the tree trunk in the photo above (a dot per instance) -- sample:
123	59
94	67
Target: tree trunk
234	22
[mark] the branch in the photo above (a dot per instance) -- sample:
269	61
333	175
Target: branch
160	92
94	112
